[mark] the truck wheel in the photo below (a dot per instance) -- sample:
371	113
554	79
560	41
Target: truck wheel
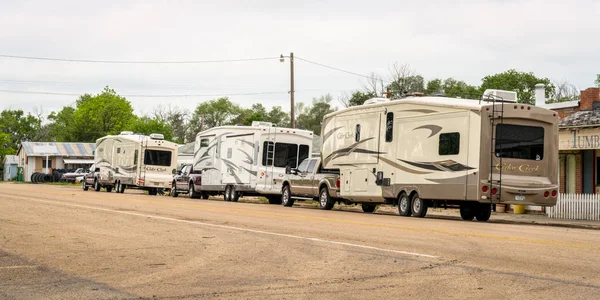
325	202
85	187
418	207
109	189
96	185
404	205
174	193
235	196
484	211
205	195
368	208
192	191
286	196
467	211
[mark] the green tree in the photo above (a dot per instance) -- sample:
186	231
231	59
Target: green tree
146	125
212	113
312	116
434	86
7	147
246	116
459	89
278	117
61	128
597	81
19	127
521	82
176	118
359	98
100	115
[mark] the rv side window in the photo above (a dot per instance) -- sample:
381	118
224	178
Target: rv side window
303	153
449	143
135	158
203	143
285	155
267	158
229	152
389	127
357	134
118	150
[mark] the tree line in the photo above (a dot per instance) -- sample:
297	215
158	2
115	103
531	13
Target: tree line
106	113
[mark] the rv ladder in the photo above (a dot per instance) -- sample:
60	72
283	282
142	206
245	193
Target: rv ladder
496	114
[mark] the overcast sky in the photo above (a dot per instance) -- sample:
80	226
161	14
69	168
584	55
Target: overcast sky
462	39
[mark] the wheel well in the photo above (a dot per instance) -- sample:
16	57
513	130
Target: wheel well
412	194
395	202
284	184
323	185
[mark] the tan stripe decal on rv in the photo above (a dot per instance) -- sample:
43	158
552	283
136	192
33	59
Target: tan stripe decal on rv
401	167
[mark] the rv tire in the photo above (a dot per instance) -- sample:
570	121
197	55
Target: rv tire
368	208
85	186
404	205
418	207
96	185
325	201
467	211
235	195
121	188
484	211
286	196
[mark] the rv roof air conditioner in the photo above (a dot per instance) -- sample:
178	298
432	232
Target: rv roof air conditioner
376	100
261	124
499	96
126	133
157	136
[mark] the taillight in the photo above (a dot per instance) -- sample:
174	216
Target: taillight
484	189
494	191
554	193
337	183
546	194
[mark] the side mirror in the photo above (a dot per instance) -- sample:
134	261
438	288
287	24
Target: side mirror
174	171
294	171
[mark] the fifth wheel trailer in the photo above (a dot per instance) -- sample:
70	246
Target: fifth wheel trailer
134	161
248	160
421	152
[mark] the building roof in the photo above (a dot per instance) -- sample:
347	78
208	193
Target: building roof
10	159
58	149
559	105
581	118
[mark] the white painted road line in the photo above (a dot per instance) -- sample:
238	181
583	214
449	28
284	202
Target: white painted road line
17	267
240	229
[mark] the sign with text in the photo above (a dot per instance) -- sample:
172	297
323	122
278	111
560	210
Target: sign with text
579	139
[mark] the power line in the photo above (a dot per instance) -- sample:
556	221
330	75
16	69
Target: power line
333	68
148	96
136	62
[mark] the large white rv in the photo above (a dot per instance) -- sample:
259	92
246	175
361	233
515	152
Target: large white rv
238	160
421	152
135	161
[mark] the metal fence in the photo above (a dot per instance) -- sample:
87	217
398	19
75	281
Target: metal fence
576	207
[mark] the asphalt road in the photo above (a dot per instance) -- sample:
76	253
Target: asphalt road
62	243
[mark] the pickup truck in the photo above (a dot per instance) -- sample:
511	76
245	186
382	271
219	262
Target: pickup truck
188	181
88	179
311	182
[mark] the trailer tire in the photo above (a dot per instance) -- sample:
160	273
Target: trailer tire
174	192
235	195
467	211
484	211
286	196
325	201
96	185
369	208
226	194
85	186
404	205
418	207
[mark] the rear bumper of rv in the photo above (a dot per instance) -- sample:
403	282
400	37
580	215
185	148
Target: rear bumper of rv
546	196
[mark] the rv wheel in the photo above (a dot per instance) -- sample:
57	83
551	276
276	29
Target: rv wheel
226	194
404	205
121	188
467	211
96	185
419	207
484	211
286	196
368	208
235	196
325	202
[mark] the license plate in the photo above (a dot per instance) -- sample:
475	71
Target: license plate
519	197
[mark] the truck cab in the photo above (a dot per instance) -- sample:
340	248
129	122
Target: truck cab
310	182
187	181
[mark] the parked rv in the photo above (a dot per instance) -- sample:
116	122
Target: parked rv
422	152
188	181
247	160
310	182
134	161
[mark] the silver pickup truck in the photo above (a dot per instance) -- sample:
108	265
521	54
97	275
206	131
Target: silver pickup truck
311	182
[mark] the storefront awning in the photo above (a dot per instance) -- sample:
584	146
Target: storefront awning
79	161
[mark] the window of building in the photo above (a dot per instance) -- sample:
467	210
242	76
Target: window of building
157	157
44	163
519	141
389	127
357	134
449	143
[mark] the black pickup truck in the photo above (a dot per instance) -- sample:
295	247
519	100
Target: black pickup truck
188	181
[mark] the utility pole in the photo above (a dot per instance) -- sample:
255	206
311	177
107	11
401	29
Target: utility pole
292	114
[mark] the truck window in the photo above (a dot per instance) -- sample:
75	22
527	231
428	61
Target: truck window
303	153
303	165
285	155
311	165
449	143
518	141
389	127
157	157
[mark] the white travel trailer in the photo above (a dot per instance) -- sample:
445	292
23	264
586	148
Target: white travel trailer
238	160
421	152
135	161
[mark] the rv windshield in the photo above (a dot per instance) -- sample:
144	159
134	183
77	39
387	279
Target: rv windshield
519	141
157	157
